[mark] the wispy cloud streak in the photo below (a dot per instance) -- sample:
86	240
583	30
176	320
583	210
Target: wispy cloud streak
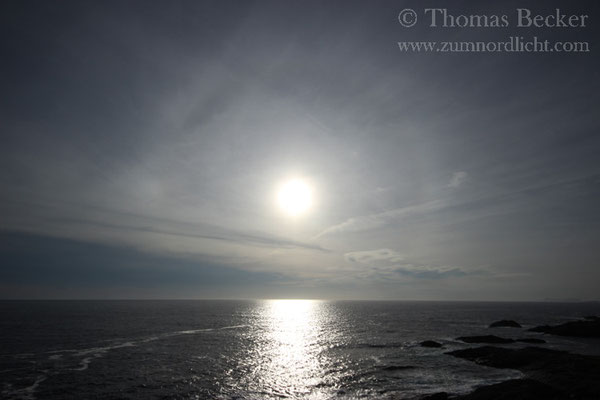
457	179
378	220
212	233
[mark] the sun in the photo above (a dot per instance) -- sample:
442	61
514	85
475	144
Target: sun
294	197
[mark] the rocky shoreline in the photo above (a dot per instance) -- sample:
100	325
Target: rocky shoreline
548	374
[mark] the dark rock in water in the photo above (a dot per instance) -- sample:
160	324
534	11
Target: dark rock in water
583	328
574	374
397	367
505	323
430	343
592	317
505	358
435	396
516	389
484	339
531	340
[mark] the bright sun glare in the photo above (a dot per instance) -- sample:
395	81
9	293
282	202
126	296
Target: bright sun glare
294	197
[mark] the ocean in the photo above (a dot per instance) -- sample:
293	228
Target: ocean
257	349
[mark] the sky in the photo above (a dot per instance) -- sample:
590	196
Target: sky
143	144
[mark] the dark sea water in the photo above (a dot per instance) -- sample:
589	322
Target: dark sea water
271	349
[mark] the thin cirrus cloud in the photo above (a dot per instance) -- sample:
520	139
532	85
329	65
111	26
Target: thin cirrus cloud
367	256
378	220
457	179
206	231
429	272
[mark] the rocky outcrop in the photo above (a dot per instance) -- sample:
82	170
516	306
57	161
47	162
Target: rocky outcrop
531	340
397	367
430	343
559	374
435	396
505	323
515	389
500	357
492	339
549	374
589	327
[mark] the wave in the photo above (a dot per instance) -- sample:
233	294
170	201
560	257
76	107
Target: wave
26	393
61	361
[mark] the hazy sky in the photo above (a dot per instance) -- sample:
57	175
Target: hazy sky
142	145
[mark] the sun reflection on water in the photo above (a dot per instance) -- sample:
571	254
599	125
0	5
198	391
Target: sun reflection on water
292	353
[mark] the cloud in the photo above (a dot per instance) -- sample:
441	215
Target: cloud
388	264
364	257
205	231
430	272
58	262
457	179
373	221
396	272
419	271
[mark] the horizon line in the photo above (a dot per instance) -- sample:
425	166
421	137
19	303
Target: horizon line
564	301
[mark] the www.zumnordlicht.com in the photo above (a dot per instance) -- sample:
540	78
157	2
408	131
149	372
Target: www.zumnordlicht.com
514	44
